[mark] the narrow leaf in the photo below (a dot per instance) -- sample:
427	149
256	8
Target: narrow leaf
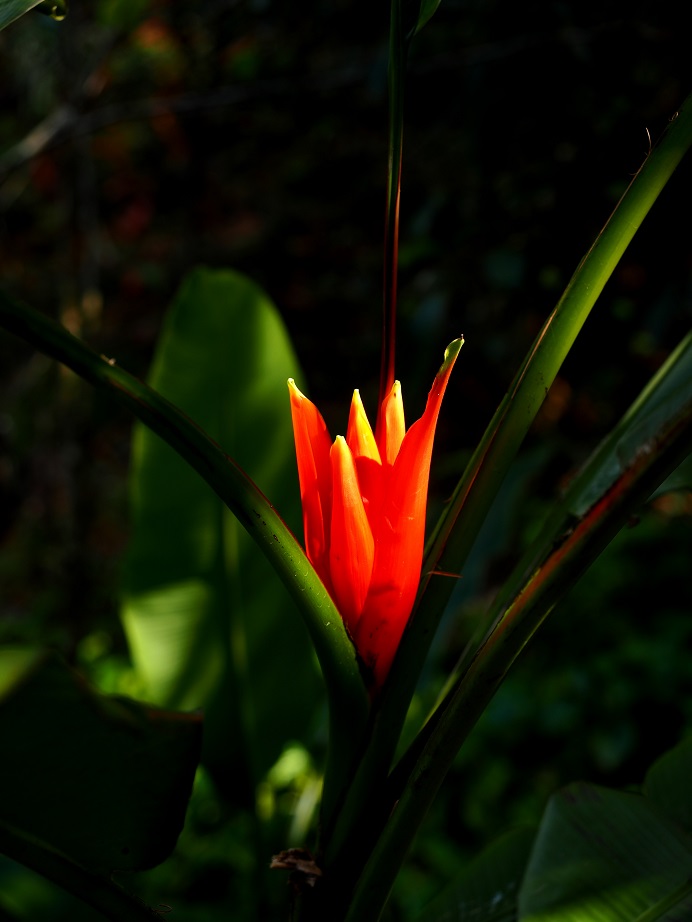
426	11
13	9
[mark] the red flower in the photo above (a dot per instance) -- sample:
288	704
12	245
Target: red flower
364	506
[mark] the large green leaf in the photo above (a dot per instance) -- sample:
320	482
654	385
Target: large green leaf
208	622
667	784
486	890
13	9
607	856
100	779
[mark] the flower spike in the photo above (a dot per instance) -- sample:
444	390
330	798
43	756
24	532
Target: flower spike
364	505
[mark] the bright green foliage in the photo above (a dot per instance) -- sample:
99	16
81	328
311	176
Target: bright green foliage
209	623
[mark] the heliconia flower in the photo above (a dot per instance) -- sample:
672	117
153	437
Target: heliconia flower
364	502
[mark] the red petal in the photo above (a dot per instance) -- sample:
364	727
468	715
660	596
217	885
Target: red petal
352	548
399	537
315	476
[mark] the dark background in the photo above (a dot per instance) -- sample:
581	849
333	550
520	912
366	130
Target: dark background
140	139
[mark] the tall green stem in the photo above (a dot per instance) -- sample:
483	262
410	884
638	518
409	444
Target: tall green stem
345	688
456	531
455	534
397	64
466	702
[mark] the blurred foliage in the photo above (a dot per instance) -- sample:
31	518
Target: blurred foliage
150	136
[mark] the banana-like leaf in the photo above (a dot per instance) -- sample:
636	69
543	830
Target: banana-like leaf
667	784
486	890
208	621
608	856
101	780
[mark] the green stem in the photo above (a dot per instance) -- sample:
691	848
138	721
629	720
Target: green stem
456	531
397	65
98	891
413	787
455	534
345	688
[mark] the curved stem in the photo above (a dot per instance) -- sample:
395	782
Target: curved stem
345	687
457	529
412	794
456	532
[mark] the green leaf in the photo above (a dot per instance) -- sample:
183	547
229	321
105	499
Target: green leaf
487	888
665	394
679	480
426	11
13	9
209	623
606	856
100	779
667	784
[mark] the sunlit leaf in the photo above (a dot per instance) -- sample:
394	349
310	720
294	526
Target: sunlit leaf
208	621
101	779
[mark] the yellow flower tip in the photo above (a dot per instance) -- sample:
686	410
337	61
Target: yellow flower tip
359	493
294	389
359	435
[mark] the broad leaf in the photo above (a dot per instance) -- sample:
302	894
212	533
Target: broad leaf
100	779
606	856
209	623
487	888
667	784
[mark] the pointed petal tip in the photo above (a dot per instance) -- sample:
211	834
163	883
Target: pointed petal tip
452	350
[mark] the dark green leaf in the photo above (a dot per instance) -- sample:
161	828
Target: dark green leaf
486	890
13	9
101	779
209	623
680	479
667	392
667	784
426	11
606	856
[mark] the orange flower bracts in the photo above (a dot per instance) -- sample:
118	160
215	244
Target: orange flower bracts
364	502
